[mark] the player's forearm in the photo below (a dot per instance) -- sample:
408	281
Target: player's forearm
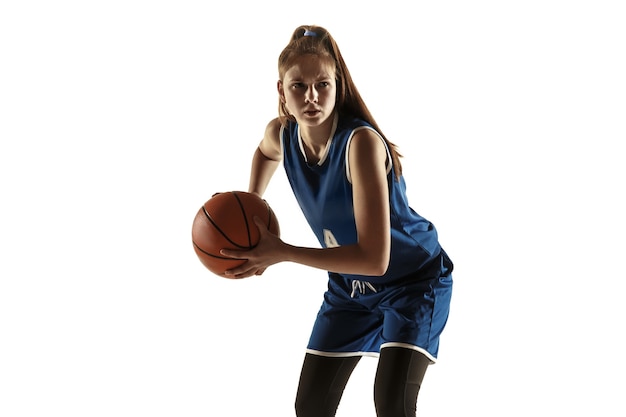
349	259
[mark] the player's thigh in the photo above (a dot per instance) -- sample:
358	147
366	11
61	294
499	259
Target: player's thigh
322	382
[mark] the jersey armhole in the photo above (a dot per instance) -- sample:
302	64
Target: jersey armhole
388	162
281	141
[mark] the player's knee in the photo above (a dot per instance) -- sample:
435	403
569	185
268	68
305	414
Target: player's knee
393	405
302	404
309	406
316	403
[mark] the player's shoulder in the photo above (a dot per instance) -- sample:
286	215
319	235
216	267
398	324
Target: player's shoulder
270	145
363	133
273	128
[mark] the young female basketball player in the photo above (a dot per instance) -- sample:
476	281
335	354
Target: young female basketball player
389	279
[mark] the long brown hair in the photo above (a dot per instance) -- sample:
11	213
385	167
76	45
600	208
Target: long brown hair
316	40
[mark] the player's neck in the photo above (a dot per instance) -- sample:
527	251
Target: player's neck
316	137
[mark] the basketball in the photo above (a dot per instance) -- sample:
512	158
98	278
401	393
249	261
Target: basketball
226	221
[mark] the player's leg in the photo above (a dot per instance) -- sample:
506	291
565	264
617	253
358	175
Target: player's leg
322	382
399	377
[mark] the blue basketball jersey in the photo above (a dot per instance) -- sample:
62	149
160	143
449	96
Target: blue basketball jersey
324	192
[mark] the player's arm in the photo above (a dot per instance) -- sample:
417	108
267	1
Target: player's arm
368	167
266	159
370	255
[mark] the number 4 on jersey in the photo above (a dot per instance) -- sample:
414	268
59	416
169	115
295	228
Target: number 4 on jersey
329	239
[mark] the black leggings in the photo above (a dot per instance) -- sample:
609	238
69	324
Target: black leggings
398	379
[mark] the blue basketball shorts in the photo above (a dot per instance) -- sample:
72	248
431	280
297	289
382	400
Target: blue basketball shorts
359	318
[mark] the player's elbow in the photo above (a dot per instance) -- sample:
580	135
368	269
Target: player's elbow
377	271
374	257
377	264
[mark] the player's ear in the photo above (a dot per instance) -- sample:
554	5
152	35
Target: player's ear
281	90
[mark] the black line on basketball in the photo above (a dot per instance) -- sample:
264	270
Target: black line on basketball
213	255
245	219
208	216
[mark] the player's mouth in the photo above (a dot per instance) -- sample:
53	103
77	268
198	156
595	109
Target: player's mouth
312	113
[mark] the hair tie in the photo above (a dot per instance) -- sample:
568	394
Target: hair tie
309	33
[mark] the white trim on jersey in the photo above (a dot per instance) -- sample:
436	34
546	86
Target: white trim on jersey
328	142
281	135
388	162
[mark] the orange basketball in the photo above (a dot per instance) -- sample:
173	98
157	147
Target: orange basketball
225	221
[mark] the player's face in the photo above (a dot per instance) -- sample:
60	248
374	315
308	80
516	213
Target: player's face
309	90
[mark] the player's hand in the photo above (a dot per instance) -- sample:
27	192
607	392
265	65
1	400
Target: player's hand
266	253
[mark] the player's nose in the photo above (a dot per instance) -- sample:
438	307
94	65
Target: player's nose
311	94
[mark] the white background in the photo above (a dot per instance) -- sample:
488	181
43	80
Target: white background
118	119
